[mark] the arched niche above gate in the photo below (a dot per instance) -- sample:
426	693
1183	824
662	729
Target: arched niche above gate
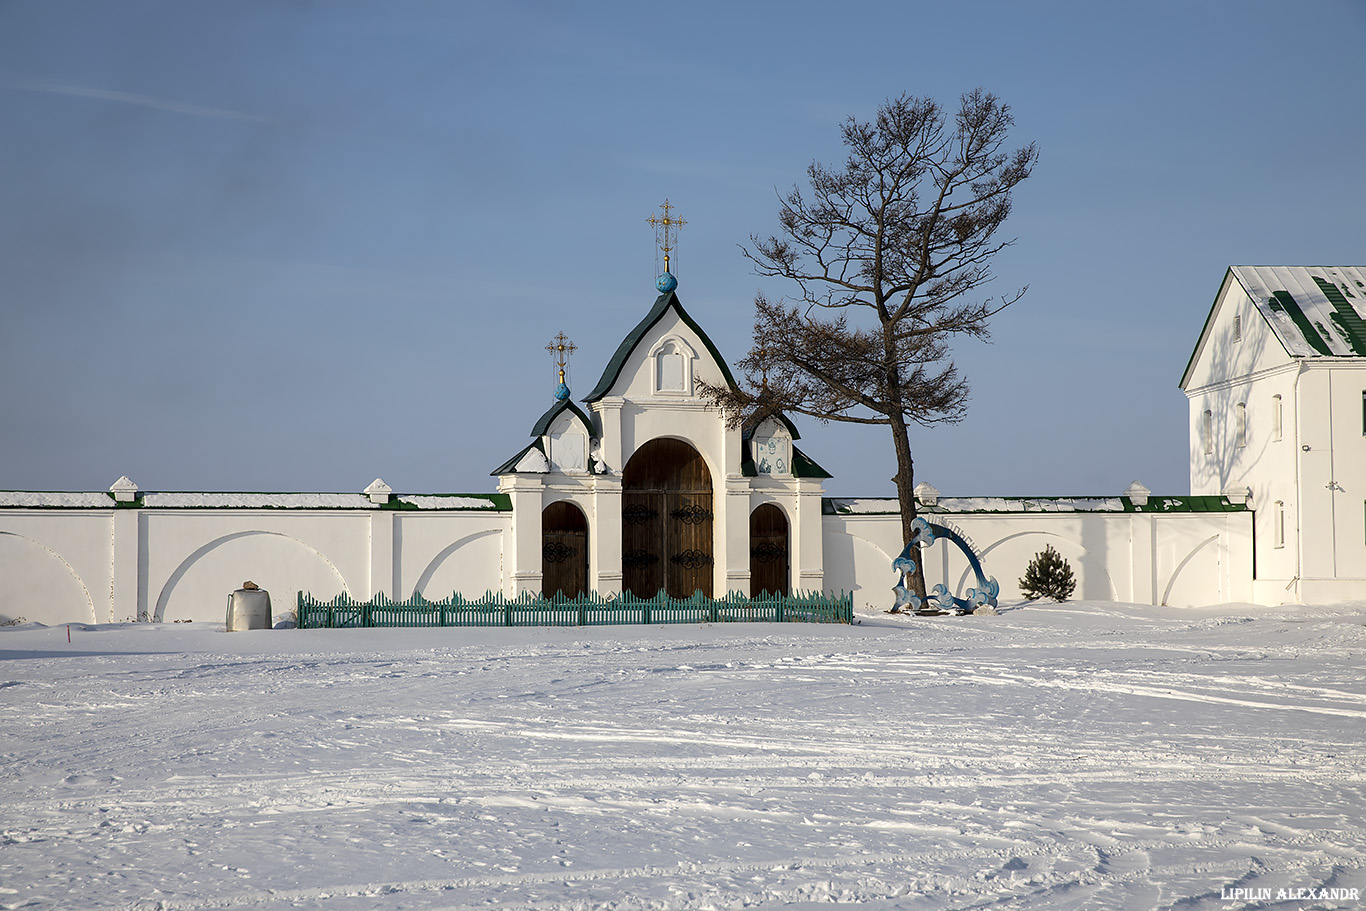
672	367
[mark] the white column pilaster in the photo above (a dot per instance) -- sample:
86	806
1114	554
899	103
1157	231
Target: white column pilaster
125	560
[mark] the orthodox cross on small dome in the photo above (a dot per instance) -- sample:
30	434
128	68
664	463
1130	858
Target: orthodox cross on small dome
560	348
666	237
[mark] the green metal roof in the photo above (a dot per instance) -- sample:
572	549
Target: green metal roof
747	432
562	405
226	500
885	506
803	466
663	303
1314	311
510	464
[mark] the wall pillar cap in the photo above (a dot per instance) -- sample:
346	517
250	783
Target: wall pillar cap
378	492
124	490
1238	493
1137	493
926	493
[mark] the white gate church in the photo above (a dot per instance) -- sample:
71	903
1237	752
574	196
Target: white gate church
668	491
645	487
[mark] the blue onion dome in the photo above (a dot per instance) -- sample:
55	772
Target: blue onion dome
562	392
666	283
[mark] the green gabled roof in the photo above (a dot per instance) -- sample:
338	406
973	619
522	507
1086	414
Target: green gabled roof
747	432
662	304
542	427
508	466
562	405
1313	311
803	466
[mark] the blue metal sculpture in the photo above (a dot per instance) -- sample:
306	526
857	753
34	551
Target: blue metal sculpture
924	534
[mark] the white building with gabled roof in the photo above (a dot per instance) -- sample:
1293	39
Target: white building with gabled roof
1277	392
670	494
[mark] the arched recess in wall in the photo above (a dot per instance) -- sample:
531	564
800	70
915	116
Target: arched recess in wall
856	565
770	550
477	570
1013	554
1199	575
281	564
39	586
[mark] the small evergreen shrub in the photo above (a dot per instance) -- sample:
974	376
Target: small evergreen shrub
1048	575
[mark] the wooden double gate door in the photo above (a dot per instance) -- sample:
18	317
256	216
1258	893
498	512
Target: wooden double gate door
667	520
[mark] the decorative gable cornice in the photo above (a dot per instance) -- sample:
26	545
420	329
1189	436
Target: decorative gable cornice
666	301
542	426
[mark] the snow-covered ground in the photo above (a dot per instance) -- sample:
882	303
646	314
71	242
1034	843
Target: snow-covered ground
1056	756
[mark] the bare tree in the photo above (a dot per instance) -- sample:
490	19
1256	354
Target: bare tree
889	253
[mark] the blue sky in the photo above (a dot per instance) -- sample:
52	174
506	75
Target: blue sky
295	245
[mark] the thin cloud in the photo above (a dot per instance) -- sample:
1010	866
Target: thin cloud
145	101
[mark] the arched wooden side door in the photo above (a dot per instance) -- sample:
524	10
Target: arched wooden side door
564	550
769	561
666	521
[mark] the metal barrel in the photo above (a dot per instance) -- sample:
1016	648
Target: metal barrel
248	609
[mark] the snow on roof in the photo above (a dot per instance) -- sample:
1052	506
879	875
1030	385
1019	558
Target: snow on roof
67	500
449	501
889	505
884	506
257	500
51	498
1315	311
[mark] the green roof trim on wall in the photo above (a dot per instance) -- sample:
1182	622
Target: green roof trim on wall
662	304
889	506
498	502
225	501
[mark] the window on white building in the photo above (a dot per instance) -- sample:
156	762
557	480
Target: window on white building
1278	530
1275	417
1238	327
1207	431
1240	418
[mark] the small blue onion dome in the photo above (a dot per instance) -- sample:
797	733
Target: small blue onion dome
666	283
562	392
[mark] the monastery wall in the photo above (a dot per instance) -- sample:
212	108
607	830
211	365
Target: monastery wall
81	564
1180	559
167	565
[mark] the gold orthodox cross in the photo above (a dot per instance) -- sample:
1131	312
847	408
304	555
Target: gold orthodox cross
670	224
560	348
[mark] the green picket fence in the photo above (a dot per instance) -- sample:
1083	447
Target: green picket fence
591	609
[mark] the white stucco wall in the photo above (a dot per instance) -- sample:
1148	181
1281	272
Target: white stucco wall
1178	559
174	565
